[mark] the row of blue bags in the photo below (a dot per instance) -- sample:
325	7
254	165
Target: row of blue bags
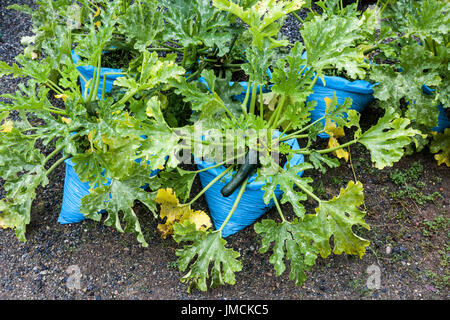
251	206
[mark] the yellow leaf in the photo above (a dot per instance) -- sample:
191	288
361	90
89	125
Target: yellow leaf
7	127
200	219
61	96
97	13
443	158
66	120
149	112
334	132
173	212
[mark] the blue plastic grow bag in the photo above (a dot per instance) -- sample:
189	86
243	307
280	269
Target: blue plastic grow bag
360	91
88	73
443	121
251	205
75	190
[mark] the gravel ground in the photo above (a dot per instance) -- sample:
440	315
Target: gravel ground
411	256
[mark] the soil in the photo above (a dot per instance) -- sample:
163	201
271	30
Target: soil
117	59
409	242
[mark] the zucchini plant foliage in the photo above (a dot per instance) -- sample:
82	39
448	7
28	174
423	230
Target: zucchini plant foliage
107	137
413	52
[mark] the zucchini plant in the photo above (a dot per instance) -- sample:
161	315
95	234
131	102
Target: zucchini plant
300	240
115	140
412	69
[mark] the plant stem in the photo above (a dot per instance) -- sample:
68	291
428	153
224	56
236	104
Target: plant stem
289	136
236	203
338	147
54	86
58	149
275	200
247	95
51	155
209	185
314	81
183	62
261	105
56	164
277	117
104	81
57	111
219	164
233	65
309	193
297	17
276	113
375	47
253	100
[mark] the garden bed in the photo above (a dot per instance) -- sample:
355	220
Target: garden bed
409	240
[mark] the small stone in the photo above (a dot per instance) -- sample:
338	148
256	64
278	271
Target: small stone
388	249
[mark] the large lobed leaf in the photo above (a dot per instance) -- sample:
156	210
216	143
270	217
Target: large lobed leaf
118	199
206	248
337	217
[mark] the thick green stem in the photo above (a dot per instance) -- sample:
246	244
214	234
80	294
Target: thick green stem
56	164
235	204
338	147
57	111
253	100
247	95
261	105
185	53
314	81
104	81
289	136
309	193
58	149
297	17
275	116
209	185
167	49
369	50
275	200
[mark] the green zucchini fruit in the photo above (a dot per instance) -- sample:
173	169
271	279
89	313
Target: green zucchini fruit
244	171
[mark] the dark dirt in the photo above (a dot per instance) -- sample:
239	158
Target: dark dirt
409	241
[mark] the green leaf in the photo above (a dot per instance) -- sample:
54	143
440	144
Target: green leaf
333	43
387	139
118	199
290	242
337	217
287	78
263	17
420	18
206	248
318	160
179	180
287	179
196	23
142	24
419	67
